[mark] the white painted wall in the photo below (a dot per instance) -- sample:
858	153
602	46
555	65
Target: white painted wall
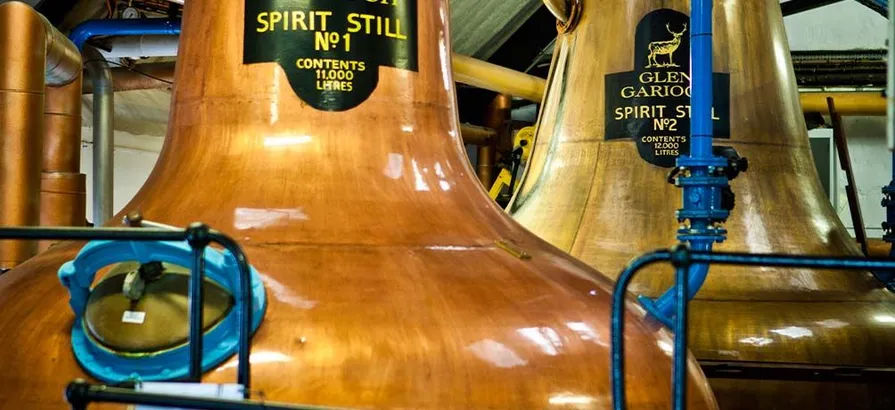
872	163
845	25
849	25
132	167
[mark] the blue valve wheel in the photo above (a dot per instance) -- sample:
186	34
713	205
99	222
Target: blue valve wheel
219	343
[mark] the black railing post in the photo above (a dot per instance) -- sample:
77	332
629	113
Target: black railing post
197	235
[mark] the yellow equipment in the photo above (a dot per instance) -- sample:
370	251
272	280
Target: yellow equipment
522	143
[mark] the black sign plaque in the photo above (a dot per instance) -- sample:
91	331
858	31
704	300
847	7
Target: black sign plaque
651	104
331	50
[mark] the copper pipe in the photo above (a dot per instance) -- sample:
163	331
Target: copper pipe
32	54
63	188
475	135
485	165
63	201
499	119
62	133
482	74
125	79
847	103
498	114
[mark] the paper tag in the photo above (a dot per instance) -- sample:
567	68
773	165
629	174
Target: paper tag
133	317
219	391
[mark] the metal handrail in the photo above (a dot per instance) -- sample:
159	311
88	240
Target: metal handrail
681	257
199	236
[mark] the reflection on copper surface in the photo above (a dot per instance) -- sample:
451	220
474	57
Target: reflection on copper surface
286	141
545	338
793	332
585	332
666	346
832	323
496	354
394	168
258	358
421	185
567	399
248	218
757	341
285	294
884	318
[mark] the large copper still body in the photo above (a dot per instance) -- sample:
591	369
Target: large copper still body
596	198
393	281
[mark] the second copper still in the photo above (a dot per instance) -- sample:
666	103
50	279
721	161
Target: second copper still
616	115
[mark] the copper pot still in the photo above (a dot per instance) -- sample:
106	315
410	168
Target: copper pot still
392	279
616	114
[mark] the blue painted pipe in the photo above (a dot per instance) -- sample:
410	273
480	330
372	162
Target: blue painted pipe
701	77
701	189
122	27
665	307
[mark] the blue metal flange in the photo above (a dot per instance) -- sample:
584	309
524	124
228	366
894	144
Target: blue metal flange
219	343
704	174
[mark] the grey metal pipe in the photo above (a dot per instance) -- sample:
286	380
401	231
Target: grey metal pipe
103	134
142	46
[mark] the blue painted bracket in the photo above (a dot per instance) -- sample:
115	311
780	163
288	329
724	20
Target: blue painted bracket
220	343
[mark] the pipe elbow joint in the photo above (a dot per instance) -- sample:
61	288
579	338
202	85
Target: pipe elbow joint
63	58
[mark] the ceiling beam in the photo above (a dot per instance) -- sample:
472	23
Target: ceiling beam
480	27
797	6
879	6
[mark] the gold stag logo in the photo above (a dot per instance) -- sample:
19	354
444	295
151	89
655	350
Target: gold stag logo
667	47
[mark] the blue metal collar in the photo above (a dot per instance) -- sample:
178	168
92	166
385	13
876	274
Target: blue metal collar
220	343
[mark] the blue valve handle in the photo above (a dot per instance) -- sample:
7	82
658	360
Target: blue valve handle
220	343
